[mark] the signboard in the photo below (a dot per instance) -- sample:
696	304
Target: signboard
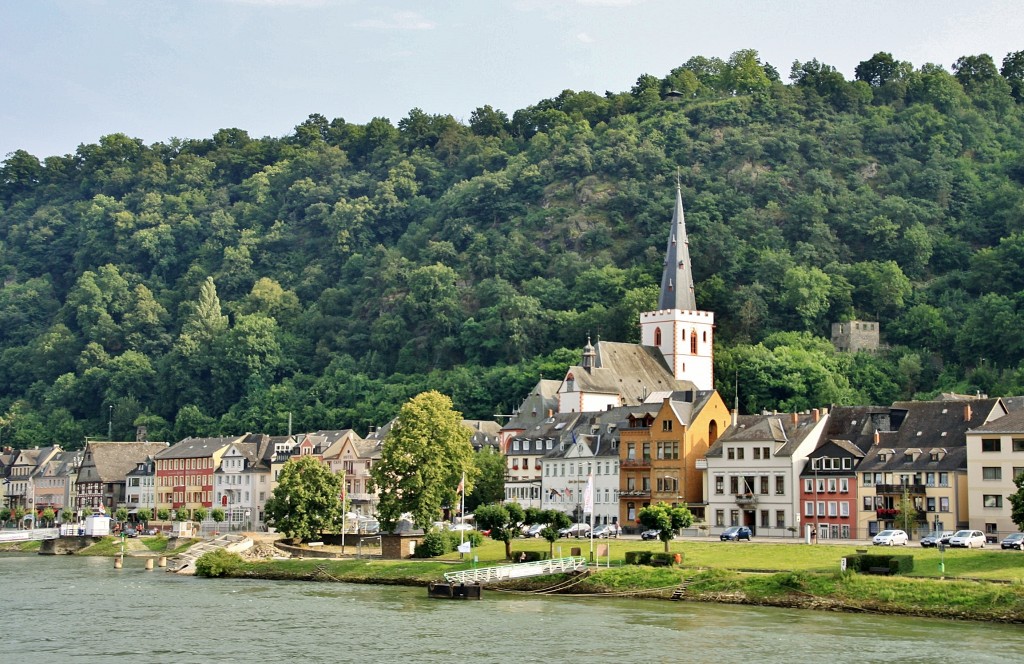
465	547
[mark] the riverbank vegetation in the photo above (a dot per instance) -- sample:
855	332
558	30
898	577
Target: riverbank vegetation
731	573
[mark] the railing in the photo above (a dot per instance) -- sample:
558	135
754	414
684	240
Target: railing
746	499
31	534
517	571
637	463
634	494
900	488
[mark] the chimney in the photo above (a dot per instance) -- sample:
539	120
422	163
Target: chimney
967	412
795	417
551	413
878	437
816	414
141	435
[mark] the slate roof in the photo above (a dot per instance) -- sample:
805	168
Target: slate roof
195	448
779	429
1010	423
676	278
112	461
543	398
630	370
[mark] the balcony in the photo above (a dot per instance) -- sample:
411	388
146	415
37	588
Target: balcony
637	463
898	489
634	494
886	513
746	499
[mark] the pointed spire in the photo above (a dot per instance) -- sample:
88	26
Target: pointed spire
677	280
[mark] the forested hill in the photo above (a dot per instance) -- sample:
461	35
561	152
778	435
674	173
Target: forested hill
216	285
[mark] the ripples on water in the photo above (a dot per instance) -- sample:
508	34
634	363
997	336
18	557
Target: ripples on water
71	609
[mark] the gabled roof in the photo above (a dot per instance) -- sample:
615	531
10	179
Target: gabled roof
784	431
938	423
1010	423
112	461
629	370
542	399
195	448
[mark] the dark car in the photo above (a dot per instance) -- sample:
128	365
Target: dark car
131	532
934	538
1013	541
650	534
735	534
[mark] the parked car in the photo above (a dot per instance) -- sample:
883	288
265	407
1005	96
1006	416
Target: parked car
1013	541
131	532
968	539
735	534
461	526
575	530
534	530
651	534
606	530
936	537
890	538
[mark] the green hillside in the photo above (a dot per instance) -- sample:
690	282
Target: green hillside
202	286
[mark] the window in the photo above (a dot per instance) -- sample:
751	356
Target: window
943	504
719	485
765	523
992	500
929	479
630	511
515	445
780	518
831	485
943	479
821	508
780	485
730	453
693	342
734	517
847	463
734	485
757	453
844	485
657	336
1018	444
764	485
719	517
1017	470
739	452
765	452
808	508
930	504
666	425
868	479
990	444
821	486
991	473
631	452
844	508
833	508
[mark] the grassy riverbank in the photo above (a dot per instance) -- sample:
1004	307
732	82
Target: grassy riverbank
730	573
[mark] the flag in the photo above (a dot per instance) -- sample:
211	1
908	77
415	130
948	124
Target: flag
462	486
588	496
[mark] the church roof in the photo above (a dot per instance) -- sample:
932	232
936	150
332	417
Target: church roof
630	370
677	279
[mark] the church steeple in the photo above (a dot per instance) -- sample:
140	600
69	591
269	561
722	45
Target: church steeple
683	334
677	279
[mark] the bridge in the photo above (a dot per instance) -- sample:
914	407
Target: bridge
518	570
30	534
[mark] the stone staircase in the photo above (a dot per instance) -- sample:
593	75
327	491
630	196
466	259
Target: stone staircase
184	563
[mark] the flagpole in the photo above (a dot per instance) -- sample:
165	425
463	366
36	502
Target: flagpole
462	508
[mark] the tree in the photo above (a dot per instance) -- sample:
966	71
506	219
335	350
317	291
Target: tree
145	515
217	514
423	458
556	520
1013	71
1017	502
490	484
163	514
504	521
199	514
47	517
906	512
307	500
121	514
66	515
666	520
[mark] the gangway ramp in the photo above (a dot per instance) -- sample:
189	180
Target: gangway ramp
518	570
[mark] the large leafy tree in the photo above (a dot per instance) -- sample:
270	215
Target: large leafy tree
490	484
423	459
504	521
307	500
665	519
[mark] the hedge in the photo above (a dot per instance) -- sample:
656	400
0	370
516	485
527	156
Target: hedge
864	562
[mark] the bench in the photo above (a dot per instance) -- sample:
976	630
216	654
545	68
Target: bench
879	570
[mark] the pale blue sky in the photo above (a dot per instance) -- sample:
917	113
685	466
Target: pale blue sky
74	70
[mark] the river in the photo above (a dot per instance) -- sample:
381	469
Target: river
79	609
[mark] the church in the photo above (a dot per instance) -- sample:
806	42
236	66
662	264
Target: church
676	349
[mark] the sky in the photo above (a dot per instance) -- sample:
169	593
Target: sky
72	71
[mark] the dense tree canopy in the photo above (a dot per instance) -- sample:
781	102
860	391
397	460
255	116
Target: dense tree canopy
217	285
307	500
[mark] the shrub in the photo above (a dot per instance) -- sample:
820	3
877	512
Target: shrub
863	562
639	557
219	562
528	556
435	543
662	559
475	539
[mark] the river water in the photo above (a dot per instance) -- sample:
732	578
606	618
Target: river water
79	609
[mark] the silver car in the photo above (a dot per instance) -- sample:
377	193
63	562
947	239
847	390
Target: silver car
890	538
968	539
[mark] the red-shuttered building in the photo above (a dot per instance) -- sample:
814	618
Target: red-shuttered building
184	472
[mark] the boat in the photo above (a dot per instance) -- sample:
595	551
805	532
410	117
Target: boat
445	590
